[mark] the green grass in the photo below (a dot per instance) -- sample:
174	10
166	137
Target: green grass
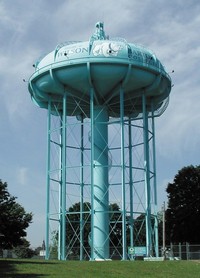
123	269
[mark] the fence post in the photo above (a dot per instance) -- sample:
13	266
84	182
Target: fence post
171	249
179	249
187	250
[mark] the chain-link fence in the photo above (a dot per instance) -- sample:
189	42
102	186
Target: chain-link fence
173	252
185	251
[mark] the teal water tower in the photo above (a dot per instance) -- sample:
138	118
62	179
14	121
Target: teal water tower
102	97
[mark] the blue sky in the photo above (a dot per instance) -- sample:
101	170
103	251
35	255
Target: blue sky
29	29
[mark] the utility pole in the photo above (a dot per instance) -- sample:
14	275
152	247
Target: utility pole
164	247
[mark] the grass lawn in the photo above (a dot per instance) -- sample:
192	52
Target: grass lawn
123	269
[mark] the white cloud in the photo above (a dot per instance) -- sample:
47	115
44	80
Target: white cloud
178	126
22	176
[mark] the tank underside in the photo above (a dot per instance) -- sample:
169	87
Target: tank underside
131	68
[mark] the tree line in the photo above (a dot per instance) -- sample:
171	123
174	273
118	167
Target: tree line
14	221
182	217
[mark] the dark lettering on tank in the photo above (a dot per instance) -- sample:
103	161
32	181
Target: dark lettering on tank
73	51
135	55
85	49
78	50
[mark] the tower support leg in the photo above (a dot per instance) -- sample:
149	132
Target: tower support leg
156	245
63	181
124	251
48	179
147	178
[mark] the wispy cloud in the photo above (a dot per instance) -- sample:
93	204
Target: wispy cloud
22	176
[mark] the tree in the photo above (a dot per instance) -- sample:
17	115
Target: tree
13	220
73	228
140	229
183	213
115	226
24	251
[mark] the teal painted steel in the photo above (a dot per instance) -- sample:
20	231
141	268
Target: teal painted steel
63	179
91	235
82	192
131	184
48	180
99	79
124	256
155	187
100	186
147	179
103	64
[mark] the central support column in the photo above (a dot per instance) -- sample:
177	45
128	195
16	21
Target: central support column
100	184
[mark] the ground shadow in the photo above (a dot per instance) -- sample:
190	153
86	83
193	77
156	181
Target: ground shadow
8	268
